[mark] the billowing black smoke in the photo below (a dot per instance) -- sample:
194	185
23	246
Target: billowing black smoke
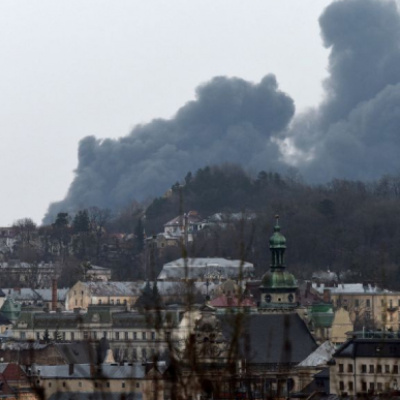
354	133
231	120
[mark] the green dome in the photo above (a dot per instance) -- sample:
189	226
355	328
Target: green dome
277	240
278	279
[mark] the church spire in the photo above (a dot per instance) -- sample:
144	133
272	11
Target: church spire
277	246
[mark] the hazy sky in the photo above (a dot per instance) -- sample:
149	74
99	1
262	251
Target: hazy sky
70	69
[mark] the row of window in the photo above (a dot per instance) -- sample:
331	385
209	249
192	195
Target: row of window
57	335
111	301
371	368
365	386
357	303
96	384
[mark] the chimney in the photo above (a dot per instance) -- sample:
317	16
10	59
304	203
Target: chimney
327	296
54	294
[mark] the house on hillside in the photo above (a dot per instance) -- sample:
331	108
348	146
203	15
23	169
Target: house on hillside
206	269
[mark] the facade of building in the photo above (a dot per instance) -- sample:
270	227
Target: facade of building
132	335
84	294
369	306
206	269
366	366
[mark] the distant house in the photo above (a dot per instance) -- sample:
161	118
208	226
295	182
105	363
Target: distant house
27	274
206	269
96	273
83	294
369	305
180	229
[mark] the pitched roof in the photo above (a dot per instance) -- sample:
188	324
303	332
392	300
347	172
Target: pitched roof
381	347
272	338
320	356
82	371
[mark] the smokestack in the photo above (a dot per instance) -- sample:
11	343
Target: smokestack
54	295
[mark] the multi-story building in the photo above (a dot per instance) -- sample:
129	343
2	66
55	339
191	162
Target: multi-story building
84	294
369	306
366	365
132	335
132	380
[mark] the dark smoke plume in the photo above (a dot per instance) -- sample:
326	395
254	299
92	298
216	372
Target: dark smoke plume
231	120
354	133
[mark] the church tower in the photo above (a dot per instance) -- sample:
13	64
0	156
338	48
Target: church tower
278	287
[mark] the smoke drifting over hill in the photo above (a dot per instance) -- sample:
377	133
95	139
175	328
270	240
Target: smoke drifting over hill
355	133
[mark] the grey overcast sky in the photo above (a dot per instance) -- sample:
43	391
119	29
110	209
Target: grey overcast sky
92	67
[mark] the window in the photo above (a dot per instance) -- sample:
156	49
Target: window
135	335
126	335
144	335
350	386
153	336
357	303
123	384
108	384
64	384
144	353
372	386
137	384
72	336
94	335
105	334
117	335
379	386
371	369
368	303
49	384
341	385
80	384
364	368
364	386
22	335
118	301
82	292
349	367
112	301
379	368
387	369
395	369
100	301
76	302
340	367
37	335
85	335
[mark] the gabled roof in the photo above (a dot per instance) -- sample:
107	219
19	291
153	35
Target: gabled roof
112	288
380	348
271	338
320	356
82	371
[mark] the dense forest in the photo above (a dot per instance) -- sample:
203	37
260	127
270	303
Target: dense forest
342	226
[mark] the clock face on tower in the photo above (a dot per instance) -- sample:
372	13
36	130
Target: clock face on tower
268	298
